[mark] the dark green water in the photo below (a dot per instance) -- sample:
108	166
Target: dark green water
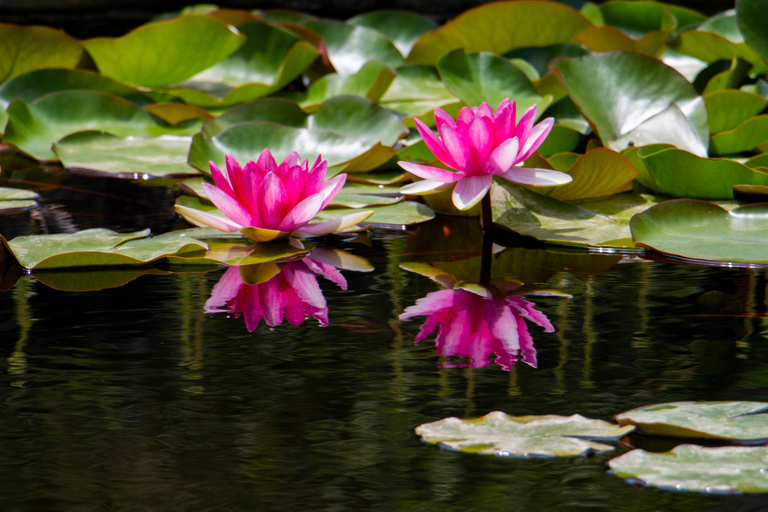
133	398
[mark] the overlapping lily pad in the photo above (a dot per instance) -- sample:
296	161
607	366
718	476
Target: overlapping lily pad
24	49
16	199
350	47
724	470
499	434
752	18
416	91
371	81
403	29
745	137
728	108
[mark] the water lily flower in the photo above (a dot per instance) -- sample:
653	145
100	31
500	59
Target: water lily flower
277	291
479	145
473	323
266	201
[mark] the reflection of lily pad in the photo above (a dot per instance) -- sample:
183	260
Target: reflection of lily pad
91	280
724	470
522	436
16	199
738	421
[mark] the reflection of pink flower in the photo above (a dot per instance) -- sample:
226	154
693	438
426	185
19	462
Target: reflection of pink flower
267	201
479	145
288	290
475	326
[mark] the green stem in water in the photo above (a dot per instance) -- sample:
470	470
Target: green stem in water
486	219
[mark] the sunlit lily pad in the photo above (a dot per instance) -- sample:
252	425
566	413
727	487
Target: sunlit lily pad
350	47
704	231
730	78
403	29
724	470
634	100
745	137
752	19
29	48
728	108
175	113
499	434
157	156
514	25
16	199
371	81
34	127
400	214
99	248
487	78
190	44
738	421
416	91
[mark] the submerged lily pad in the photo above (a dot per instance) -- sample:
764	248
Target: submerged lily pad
631	99
99	248
724	470
499	434
29	48
704	231
190	44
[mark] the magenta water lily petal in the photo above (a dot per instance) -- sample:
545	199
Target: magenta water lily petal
481	143
266	200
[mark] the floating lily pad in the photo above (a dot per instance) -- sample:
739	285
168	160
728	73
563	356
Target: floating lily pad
704	231
26	49
190	44
401	214
175	113
91	280
158	156
605	38
99	248
521	24
403	29
738	421
724	470
371	82
34	127
16	199
730	78
752	18
745	137
350	47
621	206
224	248
416	91
637	17
484	77
356	200
634	100
267	62
499	434
728	108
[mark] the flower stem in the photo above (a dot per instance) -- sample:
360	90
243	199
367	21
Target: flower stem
486	220
485	260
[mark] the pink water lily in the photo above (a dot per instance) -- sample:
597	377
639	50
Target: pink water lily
476	325
479	145
266	201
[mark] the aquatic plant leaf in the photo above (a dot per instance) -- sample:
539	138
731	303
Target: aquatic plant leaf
544	218
16	199
739	421
405	213
156	156
358	200
175	113
724	470
752	18
745	137
484	77
730	78
621	206
190	44
694	229
416	91
678	173
99	248
269	60
500	434
350	47
631	99
70	280
24	49
639	17
599	172
403	29
521	24
728	108
33	128
276	110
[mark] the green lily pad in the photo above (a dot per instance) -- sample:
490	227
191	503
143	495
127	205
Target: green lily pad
745	137
229	249
137	156
357	200
704	231
752	18
487	78
99	248
521	24
499	434
639	17
677	173
724	470
33	128
760	160
635	100
621	206
350	47
544	218
269	60
728	108
276	110
26	49
730	78
599	172
405	213
16	199
403	29
737	421
176	113
69	280
190	44
605	38
416	91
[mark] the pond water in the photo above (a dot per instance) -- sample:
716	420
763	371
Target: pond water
135	398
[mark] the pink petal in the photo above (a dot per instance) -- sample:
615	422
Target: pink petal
266	162
456	146
220	180
504	326
432	173
329	272
524	126
531	176
224	290
331	188
432	302
536	138
301	214
304	283
235	176
207	219
333	225
434	144
504	121
228	206
251	197
503	157
470	190
528	311
466	115
273	205
295	178
442	117
424	187
527	350
480	135
485	110
292	159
